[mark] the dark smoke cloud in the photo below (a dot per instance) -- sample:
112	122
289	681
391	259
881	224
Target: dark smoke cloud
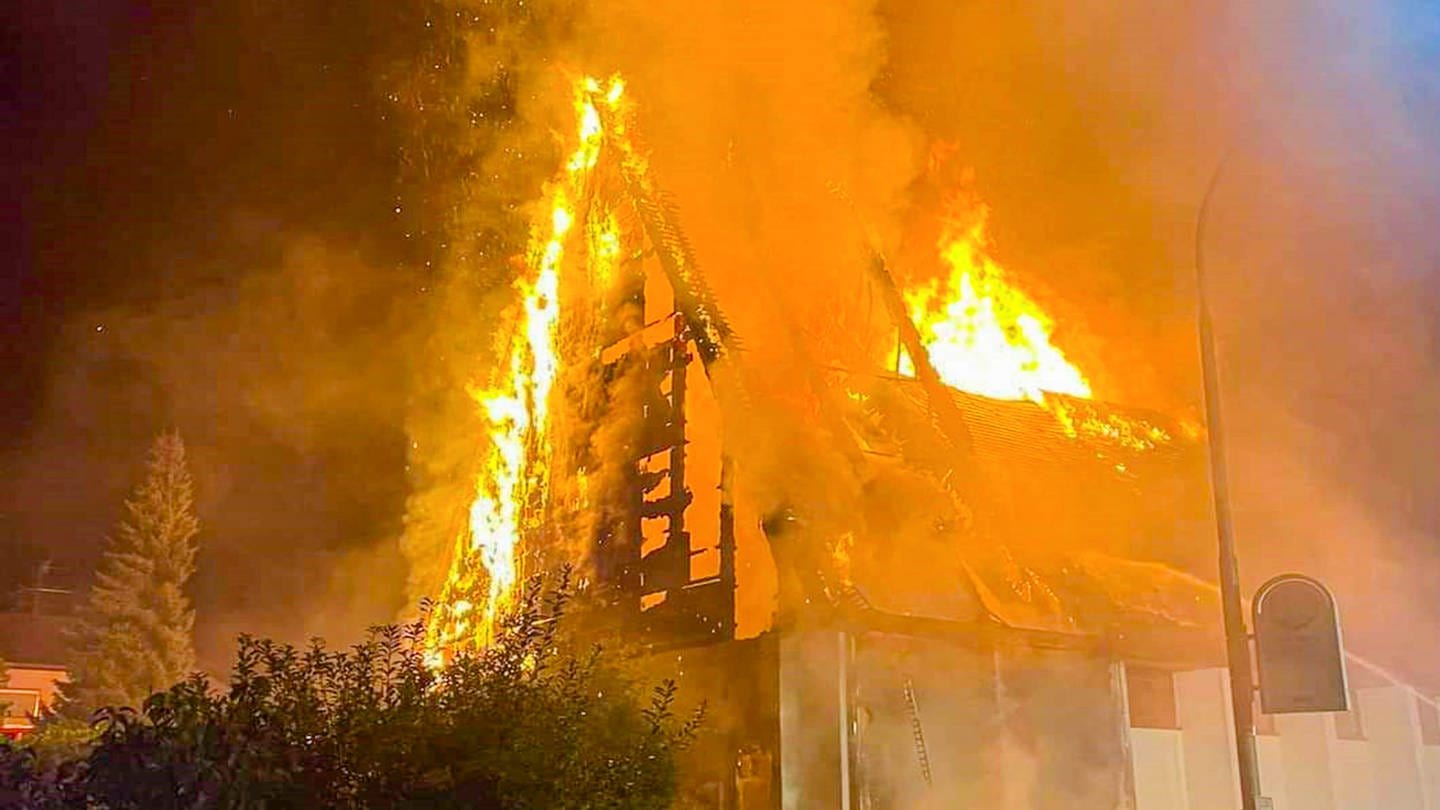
280	383
210	245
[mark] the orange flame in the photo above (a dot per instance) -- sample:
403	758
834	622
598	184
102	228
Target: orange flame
984	335
510	488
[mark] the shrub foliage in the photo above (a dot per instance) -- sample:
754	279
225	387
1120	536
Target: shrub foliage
527	723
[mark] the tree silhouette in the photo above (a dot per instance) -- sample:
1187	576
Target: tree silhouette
133	636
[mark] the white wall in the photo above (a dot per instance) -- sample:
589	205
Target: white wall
1202	707
1158	759
1306	743
1432	774
1304	767
1274	781
1392	726
1354	769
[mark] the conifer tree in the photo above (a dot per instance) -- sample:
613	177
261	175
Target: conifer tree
133	636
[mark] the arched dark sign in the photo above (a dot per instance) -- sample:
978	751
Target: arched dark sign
1298	652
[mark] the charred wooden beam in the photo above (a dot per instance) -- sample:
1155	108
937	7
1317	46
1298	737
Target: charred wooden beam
942	405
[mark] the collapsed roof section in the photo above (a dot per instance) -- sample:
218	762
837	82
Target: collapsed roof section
1067	529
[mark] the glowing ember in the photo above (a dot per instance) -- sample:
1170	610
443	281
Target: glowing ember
1083	420
511	486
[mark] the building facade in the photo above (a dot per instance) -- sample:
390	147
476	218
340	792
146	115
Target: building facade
1384	753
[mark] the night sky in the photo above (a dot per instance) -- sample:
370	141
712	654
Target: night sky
203	233
176	169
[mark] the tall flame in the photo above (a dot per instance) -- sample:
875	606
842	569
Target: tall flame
510	488
983	334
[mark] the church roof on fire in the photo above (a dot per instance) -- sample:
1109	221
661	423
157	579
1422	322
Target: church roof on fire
1077	434
1074	500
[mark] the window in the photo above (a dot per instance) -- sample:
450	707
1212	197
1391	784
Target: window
1350	725
20	704
1151	695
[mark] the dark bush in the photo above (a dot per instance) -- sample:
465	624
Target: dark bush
526	723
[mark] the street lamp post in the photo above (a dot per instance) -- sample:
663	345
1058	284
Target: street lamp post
1237	640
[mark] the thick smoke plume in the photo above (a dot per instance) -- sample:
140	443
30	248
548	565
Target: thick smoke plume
275	381
793	139
312	327
784	167
247	262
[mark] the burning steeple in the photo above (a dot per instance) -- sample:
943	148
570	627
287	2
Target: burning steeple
511	488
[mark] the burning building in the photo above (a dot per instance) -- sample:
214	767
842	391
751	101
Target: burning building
922	597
